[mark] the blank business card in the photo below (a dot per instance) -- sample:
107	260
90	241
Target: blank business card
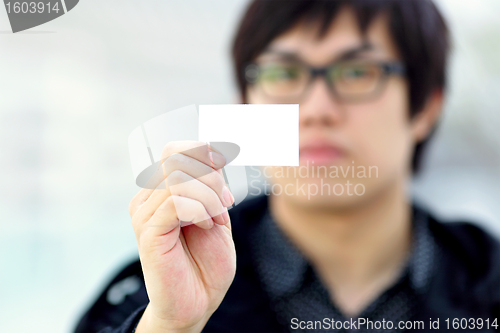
267	134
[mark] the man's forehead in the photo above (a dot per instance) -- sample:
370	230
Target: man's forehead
362	50
342	37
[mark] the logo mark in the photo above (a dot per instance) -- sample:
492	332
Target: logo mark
24	15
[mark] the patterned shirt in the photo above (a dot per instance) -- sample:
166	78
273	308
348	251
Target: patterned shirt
296	291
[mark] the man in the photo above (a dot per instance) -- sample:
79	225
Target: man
354	254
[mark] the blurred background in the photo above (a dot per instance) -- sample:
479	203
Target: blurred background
73	89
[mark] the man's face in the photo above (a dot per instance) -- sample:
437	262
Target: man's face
356	150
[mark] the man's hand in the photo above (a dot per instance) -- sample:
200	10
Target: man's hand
187	270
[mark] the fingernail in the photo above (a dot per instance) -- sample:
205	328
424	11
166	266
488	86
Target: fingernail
227	196
210	155
217	159
225	216
186	223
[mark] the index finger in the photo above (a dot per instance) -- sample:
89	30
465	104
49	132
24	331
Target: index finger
195	149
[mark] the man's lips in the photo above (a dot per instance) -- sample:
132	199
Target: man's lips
320	153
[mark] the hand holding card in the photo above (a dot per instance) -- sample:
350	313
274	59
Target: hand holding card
192	268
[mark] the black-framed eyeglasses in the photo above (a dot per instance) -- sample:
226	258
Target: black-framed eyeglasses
349	81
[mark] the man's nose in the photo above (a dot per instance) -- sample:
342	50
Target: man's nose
320	107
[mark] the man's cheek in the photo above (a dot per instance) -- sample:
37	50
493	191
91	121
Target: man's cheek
382	154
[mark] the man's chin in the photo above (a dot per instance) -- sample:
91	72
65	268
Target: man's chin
326	201
321	193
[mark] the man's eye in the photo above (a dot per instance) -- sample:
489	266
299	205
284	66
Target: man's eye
355	73
280	73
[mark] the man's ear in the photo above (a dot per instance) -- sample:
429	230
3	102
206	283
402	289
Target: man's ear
424	121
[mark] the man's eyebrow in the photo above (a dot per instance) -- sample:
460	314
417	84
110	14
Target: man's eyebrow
345	55
354	52
282	53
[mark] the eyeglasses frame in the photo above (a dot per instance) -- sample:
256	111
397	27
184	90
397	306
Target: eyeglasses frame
252	73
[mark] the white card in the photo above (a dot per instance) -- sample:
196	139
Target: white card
267	134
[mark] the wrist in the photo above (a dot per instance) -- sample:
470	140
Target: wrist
149	323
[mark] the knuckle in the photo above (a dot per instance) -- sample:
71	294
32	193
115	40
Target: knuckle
174	161
138	225
213	202
175	177
139	218
214	180
217	181
168	149
200	214
168	205
135	225
132	207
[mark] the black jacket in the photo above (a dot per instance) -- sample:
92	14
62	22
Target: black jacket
466	285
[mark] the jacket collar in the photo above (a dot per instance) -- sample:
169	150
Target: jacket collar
283	268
